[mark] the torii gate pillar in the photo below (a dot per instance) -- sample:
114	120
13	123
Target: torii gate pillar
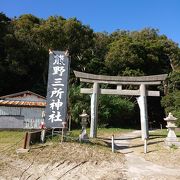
142	101
94	110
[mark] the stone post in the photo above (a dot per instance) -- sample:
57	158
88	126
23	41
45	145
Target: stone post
83	136
94	110
64	131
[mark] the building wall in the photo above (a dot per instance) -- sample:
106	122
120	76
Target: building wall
7	110
32	116
10	122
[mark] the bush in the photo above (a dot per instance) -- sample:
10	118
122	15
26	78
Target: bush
115	111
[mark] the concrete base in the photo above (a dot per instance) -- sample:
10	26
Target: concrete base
83	138
171	139
171	142
22	150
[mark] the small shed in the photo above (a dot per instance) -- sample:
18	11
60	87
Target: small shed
22	110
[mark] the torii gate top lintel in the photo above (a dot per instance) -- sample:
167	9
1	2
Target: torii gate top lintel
119	81
91	78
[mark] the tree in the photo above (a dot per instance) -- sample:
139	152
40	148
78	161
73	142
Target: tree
124	53
24	58
4	30
58	33
24	45
140	51
4	24
100	49
30	39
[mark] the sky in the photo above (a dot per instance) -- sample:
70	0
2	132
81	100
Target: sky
105	15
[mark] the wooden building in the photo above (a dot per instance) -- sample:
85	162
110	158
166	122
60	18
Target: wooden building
21	110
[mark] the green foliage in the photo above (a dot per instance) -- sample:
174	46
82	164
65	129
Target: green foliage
142	50
99	51
4	23
77	102
27	40
123	53
24	45
114	110
132	72
171	102
174	81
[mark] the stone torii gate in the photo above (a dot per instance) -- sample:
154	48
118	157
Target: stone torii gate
142	81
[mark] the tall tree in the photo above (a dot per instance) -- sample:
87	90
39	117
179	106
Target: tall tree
100	49
140	51
23	56
4	31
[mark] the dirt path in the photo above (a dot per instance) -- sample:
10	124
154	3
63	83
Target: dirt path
81	162
136	165
21	170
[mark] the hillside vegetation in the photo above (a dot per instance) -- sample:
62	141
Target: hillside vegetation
24	45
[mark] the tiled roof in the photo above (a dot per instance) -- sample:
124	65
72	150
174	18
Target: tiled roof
20	94
22	103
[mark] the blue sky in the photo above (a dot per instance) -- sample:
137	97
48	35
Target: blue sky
106	15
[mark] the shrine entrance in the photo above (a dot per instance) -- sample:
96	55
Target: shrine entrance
142	82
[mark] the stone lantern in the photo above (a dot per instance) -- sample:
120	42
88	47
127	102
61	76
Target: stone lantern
171	138
84	117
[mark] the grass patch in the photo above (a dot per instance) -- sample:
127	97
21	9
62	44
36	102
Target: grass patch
96	148
10	137
108	132
163	133
10	141
102	142
101	132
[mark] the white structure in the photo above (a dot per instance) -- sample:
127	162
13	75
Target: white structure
171	138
